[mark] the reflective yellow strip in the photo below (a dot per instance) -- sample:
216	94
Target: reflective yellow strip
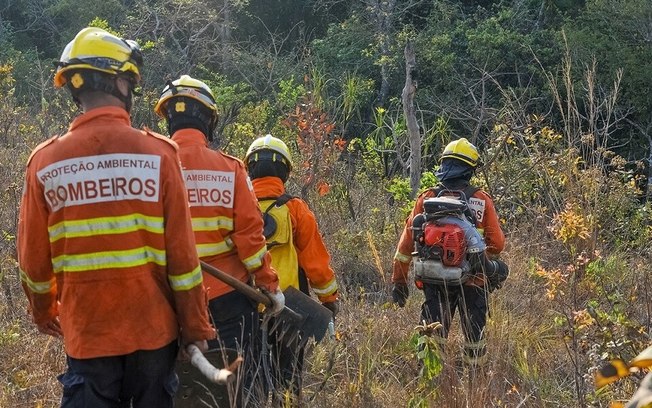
105	226
479	346
481	231
476	361
108	259
326	290
256	260
186	281
212	223
214	248
402	257
475	353
37	287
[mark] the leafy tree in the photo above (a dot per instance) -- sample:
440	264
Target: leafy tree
617	34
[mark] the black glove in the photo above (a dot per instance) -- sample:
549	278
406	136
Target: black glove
400	293
498	276
333	306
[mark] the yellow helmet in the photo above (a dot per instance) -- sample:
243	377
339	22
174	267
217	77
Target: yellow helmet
463	150
190	88
269	143
96	49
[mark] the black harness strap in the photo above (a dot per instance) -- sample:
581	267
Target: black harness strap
278	201
269	225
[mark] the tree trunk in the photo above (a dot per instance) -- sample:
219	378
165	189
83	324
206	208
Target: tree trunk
409	90
225	34
382	14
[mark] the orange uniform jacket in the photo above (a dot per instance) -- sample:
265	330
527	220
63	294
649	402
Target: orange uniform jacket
105	241
311	251
488	225
225	216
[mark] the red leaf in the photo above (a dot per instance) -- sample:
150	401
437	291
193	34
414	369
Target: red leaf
323	188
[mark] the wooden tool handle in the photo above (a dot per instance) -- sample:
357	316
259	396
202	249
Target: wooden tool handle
216	375
241	287
245	289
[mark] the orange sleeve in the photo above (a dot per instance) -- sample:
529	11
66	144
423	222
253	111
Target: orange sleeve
36	273
313	256
184	273
248	233
405	247
493	233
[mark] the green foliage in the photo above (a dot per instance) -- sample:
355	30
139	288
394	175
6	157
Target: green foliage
10	334
400	189
342	49
253	121
617	34
570	204
356	94
228	95
400	186
289	93
429	355
428	180
62	19
104	25
370	154
496	42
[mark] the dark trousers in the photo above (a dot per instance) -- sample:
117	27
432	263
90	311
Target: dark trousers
286	370
287	360
237	321
142	379
441	303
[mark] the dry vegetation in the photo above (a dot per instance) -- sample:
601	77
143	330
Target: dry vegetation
578	248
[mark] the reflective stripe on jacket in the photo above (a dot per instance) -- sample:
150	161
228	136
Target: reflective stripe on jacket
488	224
105	241
225	215
313	256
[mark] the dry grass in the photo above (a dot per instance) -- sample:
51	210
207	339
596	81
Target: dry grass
29	361
542	349
371	363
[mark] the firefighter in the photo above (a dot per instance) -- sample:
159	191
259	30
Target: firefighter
459	161
105	244
225	217
298	251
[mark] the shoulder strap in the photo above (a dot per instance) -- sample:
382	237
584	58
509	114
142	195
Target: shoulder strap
470	190
278	201
283	199
436	190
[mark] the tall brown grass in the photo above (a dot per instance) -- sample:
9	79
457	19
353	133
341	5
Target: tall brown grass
578	293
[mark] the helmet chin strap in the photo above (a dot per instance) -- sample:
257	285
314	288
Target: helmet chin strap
129	100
